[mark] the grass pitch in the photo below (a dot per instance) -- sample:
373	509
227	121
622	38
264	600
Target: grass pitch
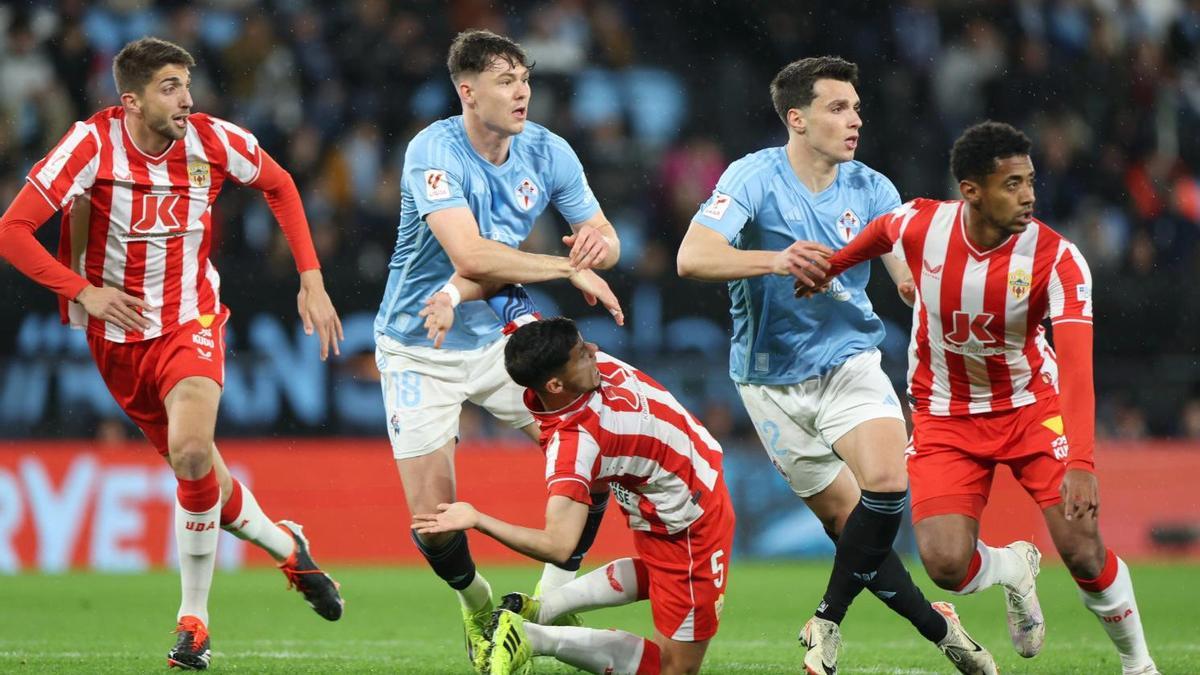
404	620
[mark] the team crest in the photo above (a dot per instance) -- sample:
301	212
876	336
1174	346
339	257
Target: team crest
847	225
199	174
527	194
1019	282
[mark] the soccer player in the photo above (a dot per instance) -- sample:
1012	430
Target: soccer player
988	388
604	421
472	187
809	375
136	183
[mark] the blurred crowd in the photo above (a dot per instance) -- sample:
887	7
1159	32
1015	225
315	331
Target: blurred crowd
657	98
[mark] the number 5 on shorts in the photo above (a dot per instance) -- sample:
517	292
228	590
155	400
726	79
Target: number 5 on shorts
718	569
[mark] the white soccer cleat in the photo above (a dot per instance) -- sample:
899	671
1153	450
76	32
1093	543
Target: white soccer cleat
1148	670
821	638
1026	625
967	655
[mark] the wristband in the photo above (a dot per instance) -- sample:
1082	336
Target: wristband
455	295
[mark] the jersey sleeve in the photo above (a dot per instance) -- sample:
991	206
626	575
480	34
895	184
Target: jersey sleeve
243	155
1069	291
569	192
732	204
570	455
433	175
886	198
71	167
514	307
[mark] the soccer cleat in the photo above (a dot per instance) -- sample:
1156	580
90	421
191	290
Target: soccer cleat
519	603
822	639
191	651
1148	670
1026	625
964	652
318	588
509	650
563	620
477	631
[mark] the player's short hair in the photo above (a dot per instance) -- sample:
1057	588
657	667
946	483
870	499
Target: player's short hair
538	350
139	60
977	150
473	51
793	86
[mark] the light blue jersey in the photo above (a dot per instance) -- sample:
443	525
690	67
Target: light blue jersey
441	171
760	204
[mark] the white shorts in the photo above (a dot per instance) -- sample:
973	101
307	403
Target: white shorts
424	389
799	423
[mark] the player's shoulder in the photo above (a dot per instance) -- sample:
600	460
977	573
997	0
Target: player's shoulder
101	118
538	140
439	139
862	177
1060	240
752	166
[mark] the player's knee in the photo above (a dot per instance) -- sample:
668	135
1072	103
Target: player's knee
1084	558
677	660
190	454
893	481
945	567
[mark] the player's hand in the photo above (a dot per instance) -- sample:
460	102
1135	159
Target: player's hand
1080	494
908	292
803	290
449	518
589	248
439	317
114	306
595	290
316	311
808	261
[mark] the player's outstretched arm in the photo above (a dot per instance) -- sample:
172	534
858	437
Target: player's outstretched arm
705	255
594	243
565	519
20	247
312	302
485	260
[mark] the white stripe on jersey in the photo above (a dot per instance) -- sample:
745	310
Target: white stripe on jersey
155	275
120	214
1016	313
236	163
630	423
937	240
189	297
55	162
585	455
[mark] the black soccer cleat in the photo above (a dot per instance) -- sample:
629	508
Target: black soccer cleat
318	588
191	650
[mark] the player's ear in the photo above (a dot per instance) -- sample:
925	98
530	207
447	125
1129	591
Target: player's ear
466	91
796	120
969	190
554	385
130	101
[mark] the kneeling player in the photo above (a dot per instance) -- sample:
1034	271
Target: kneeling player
604	421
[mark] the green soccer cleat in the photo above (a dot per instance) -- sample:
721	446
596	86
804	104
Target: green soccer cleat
564	620
509	650
475	630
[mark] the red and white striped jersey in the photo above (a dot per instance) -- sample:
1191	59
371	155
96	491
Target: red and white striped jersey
978	342
143	223
662	465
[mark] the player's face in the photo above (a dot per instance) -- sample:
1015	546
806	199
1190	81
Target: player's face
167	101
499	96
831	121
581	374
1006	197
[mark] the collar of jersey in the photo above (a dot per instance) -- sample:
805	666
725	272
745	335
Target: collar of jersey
133	144
1008	242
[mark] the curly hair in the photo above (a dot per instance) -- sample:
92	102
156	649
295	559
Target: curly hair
978	148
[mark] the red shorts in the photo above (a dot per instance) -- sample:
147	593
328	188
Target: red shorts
141	374
953	459
689	572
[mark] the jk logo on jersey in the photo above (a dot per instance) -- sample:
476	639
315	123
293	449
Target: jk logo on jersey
527	194
847	225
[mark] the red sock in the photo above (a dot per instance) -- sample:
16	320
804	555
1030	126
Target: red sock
200	495
1106	576
972	569
643	579
233	507
651	658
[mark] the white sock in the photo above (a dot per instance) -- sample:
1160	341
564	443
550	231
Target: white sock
477	595
554	576
1002	566
610	586
590	649
196	535
1116	607
252	525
